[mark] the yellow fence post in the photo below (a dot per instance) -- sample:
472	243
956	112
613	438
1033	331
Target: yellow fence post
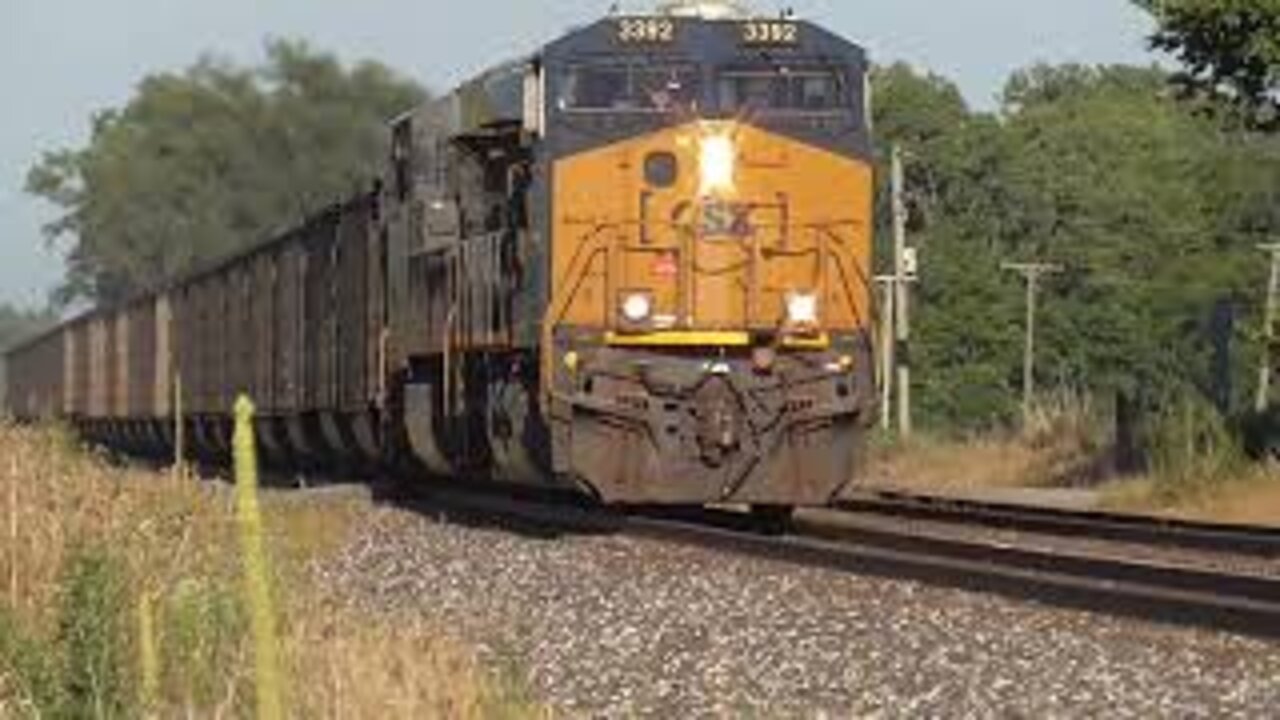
179	431
13	533
148	654
257	585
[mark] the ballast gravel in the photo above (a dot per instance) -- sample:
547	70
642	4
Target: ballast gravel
613	626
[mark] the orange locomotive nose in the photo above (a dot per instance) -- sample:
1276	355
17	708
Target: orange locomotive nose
744	249
727	226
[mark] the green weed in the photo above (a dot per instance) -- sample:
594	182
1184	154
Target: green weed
1192	450
201	638
93	636
31	670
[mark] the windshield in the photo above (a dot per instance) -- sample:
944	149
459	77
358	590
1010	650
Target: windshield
783	89
630	88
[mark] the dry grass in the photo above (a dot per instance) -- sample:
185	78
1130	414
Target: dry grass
57	499
944	465
1250	494
1061	446
393	668
1252	497
80	537
998	460
1199	471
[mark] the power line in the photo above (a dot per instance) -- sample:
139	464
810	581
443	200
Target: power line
887	284
1268	328
1031	272
902	297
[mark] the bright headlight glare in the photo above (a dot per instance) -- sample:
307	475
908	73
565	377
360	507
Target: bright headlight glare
717	161
637	307
802	309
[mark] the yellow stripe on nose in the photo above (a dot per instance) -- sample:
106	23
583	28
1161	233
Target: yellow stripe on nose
709	338
696	338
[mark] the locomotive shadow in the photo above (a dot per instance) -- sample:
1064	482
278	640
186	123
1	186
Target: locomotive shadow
486	506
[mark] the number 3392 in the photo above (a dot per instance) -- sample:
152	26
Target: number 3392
646	30
774	33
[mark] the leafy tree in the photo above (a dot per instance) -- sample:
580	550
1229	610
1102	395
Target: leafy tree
920	112
1153	211
203	163
1230	50
915	108
1114	181
966	342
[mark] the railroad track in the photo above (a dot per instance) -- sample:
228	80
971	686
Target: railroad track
886	540
1144	530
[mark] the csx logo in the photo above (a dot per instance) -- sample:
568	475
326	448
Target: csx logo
721	219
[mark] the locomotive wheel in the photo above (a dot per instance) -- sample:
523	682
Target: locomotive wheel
773	519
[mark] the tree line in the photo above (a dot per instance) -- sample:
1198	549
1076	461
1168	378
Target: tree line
1151	188
201	163
1153	212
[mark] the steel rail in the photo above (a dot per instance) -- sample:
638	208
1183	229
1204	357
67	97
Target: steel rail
1164	593
1203	598
1146	530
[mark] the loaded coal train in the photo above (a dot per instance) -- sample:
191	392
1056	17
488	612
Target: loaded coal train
634	264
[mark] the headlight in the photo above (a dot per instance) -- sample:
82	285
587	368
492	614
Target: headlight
802	309
637	307
717	161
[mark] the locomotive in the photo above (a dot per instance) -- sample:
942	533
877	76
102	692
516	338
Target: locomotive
635	264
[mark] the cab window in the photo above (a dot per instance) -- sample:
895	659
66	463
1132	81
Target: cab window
783	89
629	87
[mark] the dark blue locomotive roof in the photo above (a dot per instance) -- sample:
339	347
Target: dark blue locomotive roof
711	46
505	95
712	41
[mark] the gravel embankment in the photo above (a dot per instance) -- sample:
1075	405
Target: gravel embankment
610	626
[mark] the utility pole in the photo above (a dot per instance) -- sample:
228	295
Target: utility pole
1031	272
901	308
1268	328
887	284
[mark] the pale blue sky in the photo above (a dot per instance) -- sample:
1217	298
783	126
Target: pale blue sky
61	60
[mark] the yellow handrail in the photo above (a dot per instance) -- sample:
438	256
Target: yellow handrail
591	245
